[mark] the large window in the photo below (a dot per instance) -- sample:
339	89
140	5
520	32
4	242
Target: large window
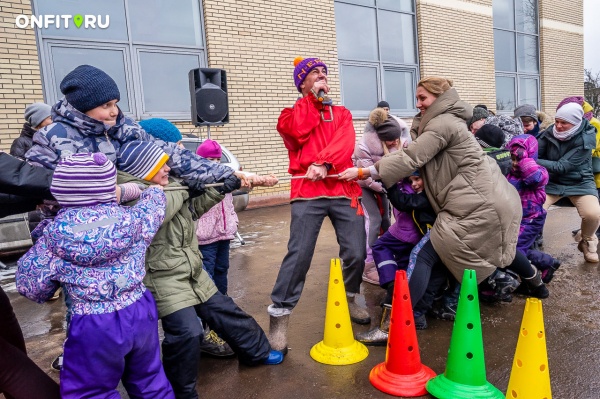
148	48
377	52
516	53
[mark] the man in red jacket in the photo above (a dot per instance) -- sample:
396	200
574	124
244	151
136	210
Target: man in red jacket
320	140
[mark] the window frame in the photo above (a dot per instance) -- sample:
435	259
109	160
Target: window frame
381	66
516	74
132	64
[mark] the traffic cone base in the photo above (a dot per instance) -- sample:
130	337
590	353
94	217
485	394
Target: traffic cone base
443	388
338	346
354	353
398	384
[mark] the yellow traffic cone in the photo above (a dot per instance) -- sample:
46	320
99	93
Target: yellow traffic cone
530	376
338	346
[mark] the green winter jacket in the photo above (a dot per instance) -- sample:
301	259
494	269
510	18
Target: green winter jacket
174	272
569	163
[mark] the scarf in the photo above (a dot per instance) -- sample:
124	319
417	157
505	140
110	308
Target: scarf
564	136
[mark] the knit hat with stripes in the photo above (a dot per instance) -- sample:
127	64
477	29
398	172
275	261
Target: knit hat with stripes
142	159
84	180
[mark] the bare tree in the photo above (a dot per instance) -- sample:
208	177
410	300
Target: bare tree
591	89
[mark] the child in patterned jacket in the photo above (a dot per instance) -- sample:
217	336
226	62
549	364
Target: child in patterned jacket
95	249
530	180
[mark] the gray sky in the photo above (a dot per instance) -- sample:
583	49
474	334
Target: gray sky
591	34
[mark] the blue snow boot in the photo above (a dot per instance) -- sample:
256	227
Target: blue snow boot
275	357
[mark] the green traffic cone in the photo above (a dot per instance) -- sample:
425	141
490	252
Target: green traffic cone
465	376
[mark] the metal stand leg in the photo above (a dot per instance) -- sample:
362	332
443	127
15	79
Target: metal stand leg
239	237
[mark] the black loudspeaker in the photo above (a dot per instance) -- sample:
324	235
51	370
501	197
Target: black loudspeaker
208	89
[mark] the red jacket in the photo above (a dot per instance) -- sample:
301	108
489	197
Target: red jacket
310	140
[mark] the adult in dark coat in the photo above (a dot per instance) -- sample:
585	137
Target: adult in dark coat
37	116
22	186
565	150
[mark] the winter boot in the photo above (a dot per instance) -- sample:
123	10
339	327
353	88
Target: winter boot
379	335
548	274
589	247
275	357
371	275
278	327
358	314
503	284
534	286
420	320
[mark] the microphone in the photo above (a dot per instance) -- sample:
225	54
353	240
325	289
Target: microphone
323	98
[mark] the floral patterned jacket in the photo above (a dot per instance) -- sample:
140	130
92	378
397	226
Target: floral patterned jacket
96	253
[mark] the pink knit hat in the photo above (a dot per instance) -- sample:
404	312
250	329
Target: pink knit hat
209	149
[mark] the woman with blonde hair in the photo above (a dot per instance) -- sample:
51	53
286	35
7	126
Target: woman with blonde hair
478	211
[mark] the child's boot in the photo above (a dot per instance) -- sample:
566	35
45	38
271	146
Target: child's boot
503	285
358	314
548	274
278	327
535	286
275	357
379	335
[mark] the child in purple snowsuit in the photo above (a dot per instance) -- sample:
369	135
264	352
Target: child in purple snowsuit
95	250
530	180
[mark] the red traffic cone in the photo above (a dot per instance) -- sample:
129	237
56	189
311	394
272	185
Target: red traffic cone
402	373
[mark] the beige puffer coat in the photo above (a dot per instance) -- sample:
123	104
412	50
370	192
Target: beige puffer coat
479	211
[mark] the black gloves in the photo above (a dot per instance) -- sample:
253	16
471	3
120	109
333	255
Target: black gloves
229	184
197	191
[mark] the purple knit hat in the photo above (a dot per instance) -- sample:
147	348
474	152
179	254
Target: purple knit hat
84	180
209	149
303	67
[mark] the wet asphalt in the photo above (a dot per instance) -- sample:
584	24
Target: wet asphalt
571	316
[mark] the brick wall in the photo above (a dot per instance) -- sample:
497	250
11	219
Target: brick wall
561	51
20	82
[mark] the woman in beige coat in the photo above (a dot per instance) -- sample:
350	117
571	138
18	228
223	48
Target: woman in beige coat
478	211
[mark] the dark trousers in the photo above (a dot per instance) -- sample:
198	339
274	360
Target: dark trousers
307	218
215	260
428	278
183	332
20	377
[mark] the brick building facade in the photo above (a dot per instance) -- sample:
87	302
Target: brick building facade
256	42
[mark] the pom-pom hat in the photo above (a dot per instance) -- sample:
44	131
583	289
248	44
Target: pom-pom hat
84	180
303	66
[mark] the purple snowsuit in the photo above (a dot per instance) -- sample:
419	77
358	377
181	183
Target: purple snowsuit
392	250
97	254
530	180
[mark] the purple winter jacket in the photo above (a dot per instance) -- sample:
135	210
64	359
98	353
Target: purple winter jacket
96	253
404	228
528	178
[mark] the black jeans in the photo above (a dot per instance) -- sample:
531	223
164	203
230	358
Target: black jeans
183	332
20	377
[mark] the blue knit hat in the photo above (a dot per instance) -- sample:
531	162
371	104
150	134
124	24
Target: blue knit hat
162	129
142	159
84	179
87	87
